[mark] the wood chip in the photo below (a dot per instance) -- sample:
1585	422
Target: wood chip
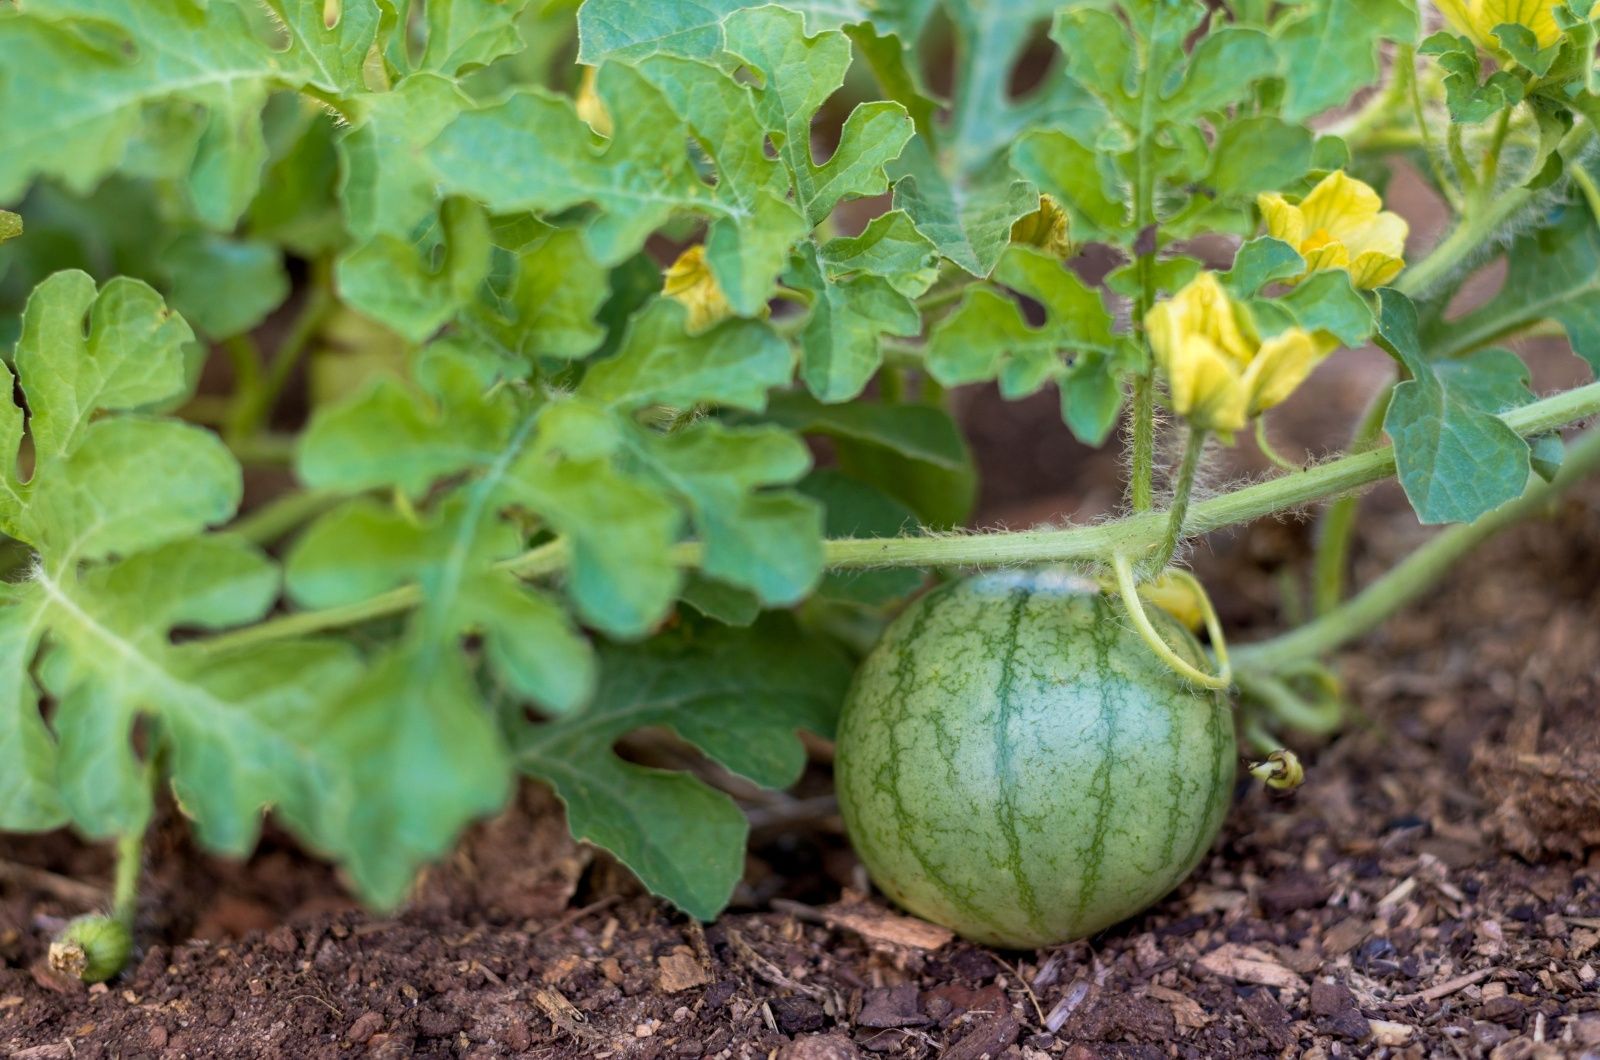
565	1015
1401	892
1185	1009
1247	964
1446	988
681	970
1385	1032
1269	1017
877	926
1345	936
53	1051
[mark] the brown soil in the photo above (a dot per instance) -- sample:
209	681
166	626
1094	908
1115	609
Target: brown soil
1390	907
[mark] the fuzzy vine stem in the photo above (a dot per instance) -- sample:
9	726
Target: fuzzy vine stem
255	402
1183	486
1129	590
1481	224
1338	523
125	885
1133	534
1415	574
1287	706
280	515
1142	495
1141	492
1407	55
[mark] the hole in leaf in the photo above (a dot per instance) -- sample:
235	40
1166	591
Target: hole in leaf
1034	63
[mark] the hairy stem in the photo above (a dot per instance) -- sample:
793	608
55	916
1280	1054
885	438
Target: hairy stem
1131	535
1491	158
1182	488
1417	573
255	404
1406	58
1289	707
280	515
245	357
1142	493
1339	521
1480	225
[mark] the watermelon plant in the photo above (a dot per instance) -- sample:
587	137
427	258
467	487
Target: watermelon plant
412	396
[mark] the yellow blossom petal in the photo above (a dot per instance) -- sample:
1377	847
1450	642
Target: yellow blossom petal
1339	207
1284	220
1205	387
1461	16
1477	19
1048	228
1219	389
1321	256
1203	307
1385	235
1537	15
689	281
1374	269
1281	365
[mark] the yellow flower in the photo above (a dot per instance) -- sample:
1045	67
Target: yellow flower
1219	372
689	282
1476	19
1048	228
1340	225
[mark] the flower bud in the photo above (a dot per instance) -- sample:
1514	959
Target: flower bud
91	948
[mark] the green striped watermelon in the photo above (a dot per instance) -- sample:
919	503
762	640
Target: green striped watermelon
1016	764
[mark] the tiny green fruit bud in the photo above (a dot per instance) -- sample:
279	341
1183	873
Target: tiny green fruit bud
91	948
1281	771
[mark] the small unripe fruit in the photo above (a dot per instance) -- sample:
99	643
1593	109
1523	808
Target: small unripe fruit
1016	764
91	948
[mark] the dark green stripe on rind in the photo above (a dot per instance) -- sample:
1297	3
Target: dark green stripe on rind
1007	784
863	726
1015	763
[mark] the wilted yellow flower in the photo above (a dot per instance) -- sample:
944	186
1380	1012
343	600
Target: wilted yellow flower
1341	225
689	282
1477	19
1281	771
1048	228
1178	596
589	105
1219	372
